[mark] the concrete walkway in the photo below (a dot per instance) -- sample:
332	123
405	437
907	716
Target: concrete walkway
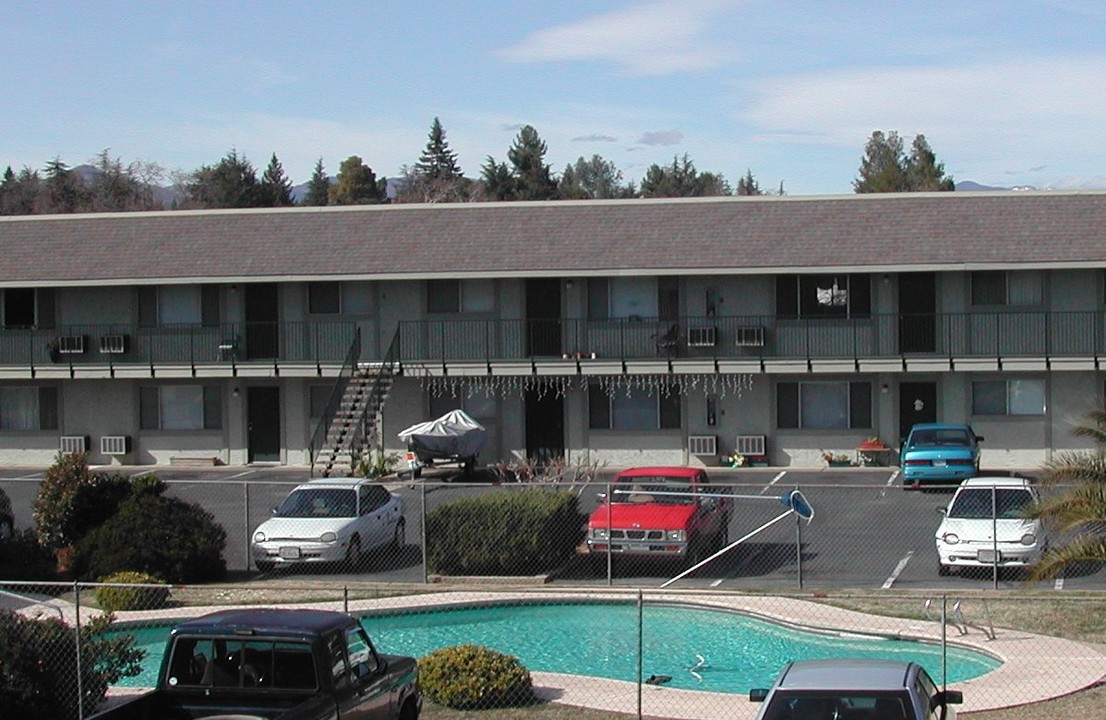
1034	667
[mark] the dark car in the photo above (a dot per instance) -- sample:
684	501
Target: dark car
855	688
939	453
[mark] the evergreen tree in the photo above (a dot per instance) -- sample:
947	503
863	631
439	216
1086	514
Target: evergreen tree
231	183
437	161
748	185
357	184
499	183
64	190
318	187
885	166
924	173
115	188
681	179
594	178
275	189
534	177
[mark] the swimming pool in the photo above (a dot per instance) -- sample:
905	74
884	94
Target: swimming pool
698	648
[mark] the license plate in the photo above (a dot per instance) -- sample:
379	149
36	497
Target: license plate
290	553
939	463
986	556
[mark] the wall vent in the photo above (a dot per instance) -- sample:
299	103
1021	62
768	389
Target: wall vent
71	344
113	344
702	444
701	336
750	445
115	444
749	336
74	443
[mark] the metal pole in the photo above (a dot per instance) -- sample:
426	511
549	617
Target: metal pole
799	548
422	530
640	647
246	503
77	640
610	556
994	536
944	642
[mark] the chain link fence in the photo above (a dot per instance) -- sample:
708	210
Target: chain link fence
522	568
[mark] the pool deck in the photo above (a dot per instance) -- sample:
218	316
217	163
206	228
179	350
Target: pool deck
1034	667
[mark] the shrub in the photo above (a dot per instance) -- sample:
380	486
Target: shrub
126	597
73	500
22	557
521	532
467	677
158	535
38	659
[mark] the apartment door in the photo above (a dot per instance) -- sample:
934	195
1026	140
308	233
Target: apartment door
917	404
543	317
917	312
262	316
545	425
263	424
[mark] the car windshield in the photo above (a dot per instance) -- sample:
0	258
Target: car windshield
319	502
976	503
814	705
941	436
654	489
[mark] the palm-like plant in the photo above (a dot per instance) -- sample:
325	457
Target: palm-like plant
1078	513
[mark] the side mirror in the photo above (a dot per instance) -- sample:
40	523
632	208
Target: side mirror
601	497
758	694
943	510
948	697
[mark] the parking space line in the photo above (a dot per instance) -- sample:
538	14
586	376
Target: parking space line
774	481
897	571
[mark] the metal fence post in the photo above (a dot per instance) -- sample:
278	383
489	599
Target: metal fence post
77	641
246	502
799	547
640	646
422	531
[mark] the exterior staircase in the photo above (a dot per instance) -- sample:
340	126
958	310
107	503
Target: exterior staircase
355	421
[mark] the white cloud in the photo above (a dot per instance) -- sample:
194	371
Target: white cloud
658	38
661	137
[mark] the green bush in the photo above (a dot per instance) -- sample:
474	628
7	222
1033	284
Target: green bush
38	665
22	557
127	597
468	677
507	533
73	500
158	535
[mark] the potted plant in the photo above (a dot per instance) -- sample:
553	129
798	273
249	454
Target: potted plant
836	459
758	460
737	460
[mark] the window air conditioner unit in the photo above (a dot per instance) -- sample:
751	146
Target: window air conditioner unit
113	344
115	445
749	336
750	445
74	443
701	336
71	344
702	444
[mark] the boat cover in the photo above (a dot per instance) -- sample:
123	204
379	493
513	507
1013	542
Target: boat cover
453	435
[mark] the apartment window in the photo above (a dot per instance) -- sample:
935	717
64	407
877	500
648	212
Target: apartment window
824	405
27	307
28	408
1023	288
1008	397
823	296
633	298
632	411
181	407
324	298
453	296
168	305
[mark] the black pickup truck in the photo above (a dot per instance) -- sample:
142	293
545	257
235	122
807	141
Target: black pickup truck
286	664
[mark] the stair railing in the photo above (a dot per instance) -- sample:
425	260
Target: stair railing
349	367
374	402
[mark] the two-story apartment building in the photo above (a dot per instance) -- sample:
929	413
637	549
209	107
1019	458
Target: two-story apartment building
624	332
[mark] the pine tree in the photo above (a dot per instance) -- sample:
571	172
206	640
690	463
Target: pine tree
748	185
924	173
65	191
357	184
275	189
534	178
885	166
437	161
230	183
318	187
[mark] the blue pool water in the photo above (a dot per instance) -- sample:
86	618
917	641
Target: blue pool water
600	640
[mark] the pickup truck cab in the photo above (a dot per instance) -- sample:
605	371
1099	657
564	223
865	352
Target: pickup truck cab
660	512
291	664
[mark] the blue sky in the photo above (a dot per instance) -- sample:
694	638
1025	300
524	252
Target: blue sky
1007	92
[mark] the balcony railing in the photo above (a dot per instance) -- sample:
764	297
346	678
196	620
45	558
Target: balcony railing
193	344
996	335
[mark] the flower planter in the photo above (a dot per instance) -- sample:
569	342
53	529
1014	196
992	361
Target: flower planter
840	463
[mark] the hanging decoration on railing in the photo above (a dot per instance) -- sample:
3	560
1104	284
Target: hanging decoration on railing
717	385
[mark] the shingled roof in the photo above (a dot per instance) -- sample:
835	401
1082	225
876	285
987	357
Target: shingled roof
879	233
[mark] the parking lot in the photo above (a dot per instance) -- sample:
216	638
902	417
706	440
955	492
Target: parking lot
866	533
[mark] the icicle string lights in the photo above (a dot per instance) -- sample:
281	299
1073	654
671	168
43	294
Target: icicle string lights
716	385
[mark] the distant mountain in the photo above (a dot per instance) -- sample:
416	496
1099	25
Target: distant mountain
972	186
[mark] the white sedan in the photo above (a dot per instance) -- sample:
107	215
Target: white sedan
330	520
985	525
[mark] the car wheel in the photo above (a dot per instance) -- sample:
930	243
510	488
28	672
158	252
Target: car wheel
399	539
943	570
264	566
353	553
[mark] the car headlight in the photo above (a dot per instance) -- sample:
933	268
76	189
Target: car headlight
600	533
950	538
259	537
1029	539
328	537
677	535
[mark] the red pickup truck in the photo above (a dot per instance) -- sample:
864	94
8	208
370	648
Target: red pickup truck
660	512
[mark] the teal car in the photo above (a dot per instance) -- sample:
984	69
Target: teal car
939	453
